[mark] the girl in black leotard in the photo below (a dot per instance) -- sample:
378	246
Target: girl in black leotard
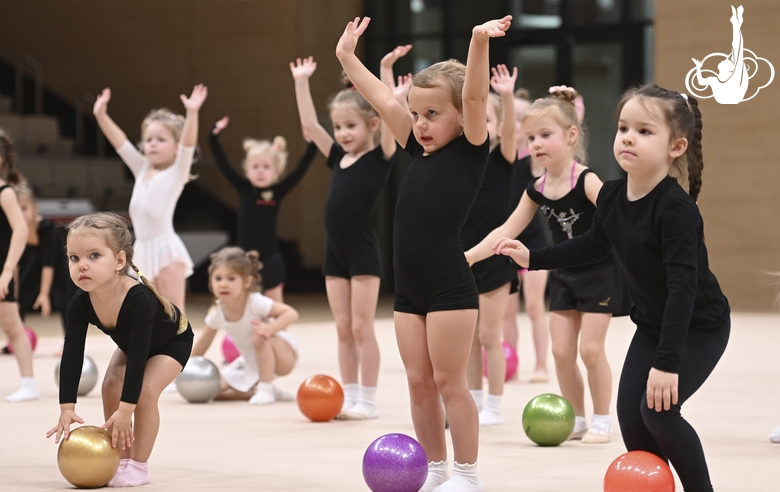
656	230
493	277
436	299
582	301
352	266
259	197
13	236
153	338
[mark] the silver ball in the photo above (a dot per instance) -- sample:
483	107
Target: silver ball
200	380
89	376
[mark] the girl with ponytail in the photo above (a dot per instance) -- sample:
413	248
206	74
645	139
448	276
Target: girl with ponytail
153	338
656	229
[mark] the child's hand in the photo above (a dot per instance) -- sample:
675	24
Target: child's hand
5	279
262	329
502	81
306	135
220	125
401	89
348	41
494	28
399	52
121	426
62	429
661	389
303	69
101	103
196	99
514	249
43	302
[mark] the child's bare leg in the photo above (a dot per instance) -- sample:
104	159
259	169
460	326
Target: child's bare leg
275	293
474	370
14	330
492	306
111	390
534	285
160	371
339	295
564	332
170	283
284	356
594	333
511	333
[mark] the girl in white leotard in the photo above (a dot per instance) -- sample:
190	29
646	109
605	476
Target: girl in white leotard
161	169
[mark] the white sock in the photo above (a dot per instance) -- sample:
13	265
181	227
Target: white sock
464	479
601	424
366	403
350	396
775	436
437	475
491	414
580	428
478	398
27	391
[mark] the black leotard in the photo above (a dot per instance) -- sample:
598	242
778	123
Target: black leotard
142	331
534	235
489	211
431	272
351	245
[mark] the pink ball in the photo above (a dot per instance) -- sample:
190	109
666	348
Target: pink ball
229	350
30	335
511	361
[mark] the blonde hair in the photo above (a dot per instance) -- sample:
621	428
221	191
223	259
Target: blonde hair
449	75
495	101
351	97
171	121
25	191
277	150
245	263
114	230
8	171
560	106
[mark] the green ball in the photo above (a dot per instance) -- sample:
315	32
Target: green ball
548	420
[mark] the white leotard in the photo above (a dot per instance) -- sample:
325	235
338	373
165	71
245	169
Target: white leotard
151	210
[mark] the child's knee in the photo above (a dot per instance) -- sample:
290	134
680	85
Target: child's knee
658	422
592	353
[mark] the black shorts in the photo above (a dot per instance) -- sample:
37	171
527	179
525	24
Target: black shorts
592	291
347	259
179	348
272	274
494	272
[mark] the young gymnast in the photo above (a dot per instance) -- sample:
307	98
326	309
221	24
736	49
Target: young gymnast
583	299
494	276
534	284
436	299
161	169
259	196
656	230
13	235
153	338
352	265
256	323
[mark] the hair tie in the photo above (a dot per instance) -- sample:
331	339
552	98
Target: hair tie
139	273
685	96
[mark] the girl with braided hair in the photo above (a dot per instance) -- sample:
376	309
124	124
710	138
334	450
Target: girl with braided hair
657	233
153	338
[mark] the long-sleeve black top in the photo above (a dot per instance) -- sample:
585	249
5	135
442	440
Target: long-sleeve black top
258	208
659	239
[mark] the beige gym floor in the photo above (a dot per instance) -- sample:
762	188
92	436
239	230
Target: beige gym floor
234	446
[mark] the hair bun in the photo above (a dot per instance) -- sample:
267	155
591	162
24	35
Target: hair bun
346	81
523	94
280	144
564	93
249	143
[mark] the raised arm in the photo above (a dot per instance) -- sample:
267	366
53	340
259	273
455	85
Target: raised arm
386	75
234	177
504	84
292	179
302	70
514	225
189	134
477	84
116	137
393	114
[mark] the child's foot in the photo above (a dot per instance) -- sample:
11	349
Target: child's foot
359	412
580	429
464	479
281	395
25	393
135	474
264	395
598	433
775	437
539	377
437	475
490	417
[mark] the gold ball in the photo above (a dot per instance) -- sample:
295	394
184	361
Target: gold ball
86	459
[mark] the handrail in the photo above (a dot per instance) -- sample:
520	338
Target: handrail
37	67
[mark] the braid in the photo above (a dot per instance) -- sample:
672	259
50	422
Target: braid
8	160
165	302
695	158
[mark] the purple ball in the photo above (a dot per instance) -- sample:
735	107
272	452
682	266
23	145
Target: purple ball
395	463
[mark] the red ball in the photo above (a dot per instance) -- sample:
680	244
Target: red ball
320	398
30	335
229	350
638	470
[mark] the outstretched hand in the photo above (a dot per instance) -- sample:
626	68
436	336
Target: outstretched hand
401	89
220	125
513	249
494	28
502	81
348	41
303	68
101	102
62	429
196	99
121	427
399	52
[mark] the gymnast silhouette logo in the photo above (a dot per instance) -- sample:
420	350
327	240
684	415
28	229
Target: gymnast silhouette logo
730	84
566	221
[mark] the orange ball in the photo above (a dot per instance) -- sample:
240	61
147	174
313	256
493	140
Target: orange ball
638	470
320	398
